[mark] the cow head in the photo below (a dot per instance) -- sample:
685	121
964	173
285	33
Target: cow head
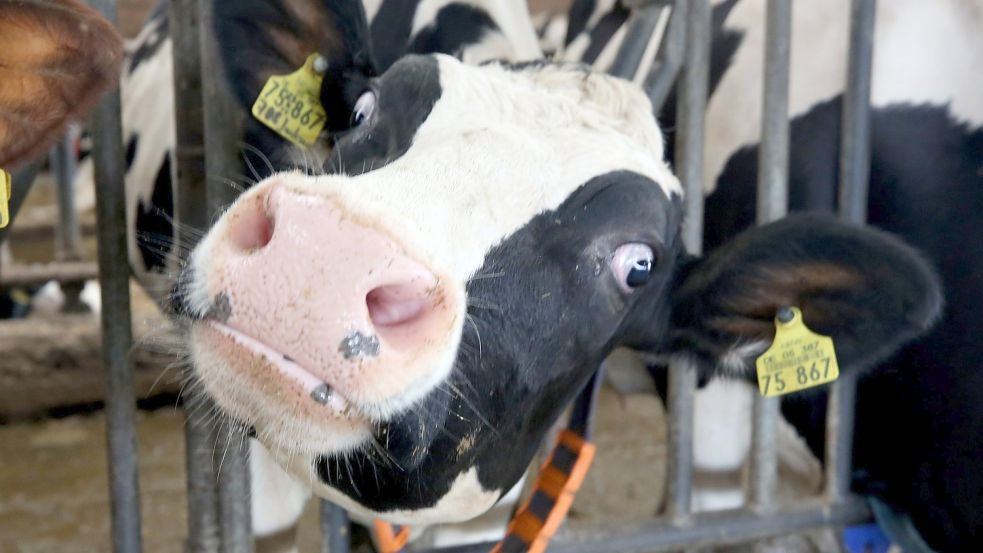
402	330
56	57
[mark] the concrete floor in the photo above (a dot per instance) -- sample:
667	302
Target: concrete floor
53	488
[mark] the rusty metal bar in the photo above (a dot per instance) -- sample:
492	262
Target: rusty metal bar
854	176
732	526
185	26
772	205
114	278
222	131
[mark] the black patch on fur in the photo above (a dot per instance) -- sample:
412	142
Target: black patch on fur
602	33
391	29
405	96
155	233
131	150
545	311
455	27
579	16
918	413
148	48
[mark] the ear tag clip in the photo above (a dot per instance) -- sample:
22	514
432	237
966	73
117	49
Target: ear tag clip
291	104
797	359
5	193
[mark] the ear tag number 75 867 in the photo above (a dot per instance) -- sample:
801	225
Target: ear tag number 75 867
797	359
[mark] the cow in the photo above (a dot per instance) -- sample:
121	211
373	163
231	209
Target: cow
915	445
521	257
474	245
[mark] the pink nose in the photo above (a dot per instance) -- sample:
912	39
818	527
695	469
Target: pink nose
338	296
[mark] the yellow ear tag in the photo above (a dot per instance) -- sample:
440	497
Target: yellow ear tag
5	192
797	359
291	104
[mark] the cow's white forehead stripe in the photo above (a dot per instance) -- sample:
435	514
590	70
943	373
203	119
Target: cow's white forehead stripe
499	147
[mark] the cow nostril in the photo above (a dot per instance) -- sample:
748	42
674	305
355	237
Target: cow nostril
251	225
398	304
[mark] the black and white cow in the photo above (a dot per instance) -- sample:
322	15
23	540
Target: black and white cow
516	209
918	427
478	242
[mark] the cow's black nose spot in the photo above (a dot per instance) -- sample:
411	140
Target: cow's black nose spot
357	344
221	308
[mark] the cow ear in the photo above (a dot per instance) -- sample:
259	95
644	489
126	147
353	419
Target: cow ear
864	288
261	38
56	58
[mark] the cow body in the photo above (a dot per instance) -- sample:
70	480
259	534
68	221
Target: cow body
916	442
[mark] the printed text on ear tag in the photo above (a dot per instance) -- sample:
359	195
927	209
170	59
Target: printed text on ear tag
797	359
291	104
5	192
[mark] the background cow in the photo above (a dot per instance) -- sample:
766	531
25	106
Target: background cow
917	422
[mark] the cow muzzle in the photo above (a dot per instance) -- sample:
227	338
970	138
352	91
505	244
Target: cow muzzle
317	314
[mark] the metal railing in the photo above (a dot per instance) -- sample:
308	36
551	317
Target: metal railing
207	146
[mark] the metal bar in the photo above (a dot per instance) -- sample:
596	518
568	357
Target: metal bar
222	131
235	515
682	378
189	161
335	535
706	529
39	273
855	133
772	205
641	25
692	120
114	279
773	154
62	160
67	231
669	59
854	179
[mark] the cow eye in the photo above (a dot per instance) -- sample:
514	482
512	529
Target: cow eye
632	265
364	107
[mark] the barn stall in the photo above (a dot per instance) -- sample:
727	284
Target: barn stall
218	486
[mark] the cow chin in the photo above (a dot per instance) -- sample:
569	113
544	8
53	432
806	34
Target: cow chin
250	384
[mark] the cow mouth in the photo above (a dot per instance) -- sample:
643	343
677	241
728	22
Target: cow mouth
308	382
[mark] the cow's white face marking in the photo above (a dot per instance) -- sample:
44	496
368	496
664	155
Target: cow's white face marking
499	147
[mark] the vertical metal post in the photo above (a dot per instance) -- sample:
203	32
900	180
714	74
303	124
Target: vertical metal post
693	90
62	161
854	175
772	205
191	209
114	278
335	536
222	132
61	158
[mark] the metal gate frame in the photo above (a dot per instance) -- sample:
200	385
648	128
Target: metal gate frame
218	500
